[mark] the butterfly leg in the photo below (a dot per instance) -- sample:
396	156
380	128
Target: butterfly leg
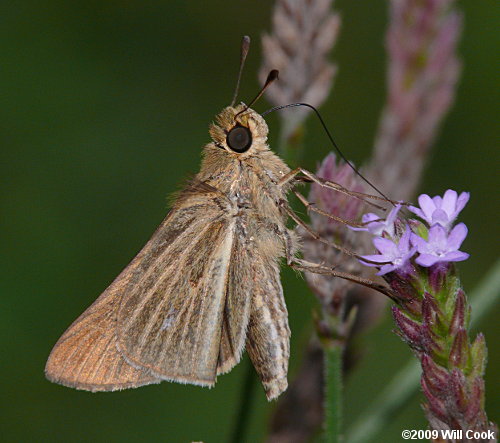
313	234
318	237
316	268
301	174
311	208
303	265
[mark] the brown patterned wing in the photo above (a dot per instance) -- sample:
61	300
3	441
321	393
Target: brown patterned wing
98	352
170	317
268	341
236	315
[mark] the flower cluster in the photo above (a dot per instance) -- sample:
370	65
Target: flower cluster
431	312
439	243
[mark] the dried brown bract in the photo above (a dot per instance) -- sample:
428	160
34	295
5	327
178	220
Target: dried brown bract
303	34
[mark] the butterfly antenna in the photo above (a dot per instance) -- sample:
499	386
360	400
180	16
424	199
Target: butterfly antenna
245	47
330	137
272	76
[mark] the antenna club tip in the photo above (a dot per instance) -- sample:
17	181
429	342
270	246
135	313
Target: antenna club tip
273	75
245	47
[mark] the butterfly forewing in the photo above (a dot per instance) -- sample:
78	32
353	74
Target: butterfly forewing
170	316
146	326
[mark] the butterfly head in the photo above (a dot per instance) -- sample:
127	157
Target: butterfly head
240	131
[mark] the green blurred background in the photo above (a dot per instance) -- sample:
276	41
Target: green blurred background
104	109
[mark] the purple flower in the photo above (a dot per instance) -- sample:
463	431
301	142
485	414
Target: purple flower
441	245
376	226
440	210
393	255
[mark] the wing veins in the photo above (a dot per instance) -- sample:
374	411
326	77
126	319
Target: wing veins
86	359
230	232
74	351
152	291
144	277
99	362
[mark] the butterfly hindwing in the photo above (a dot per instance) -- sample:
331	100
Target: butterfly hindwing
237	305
268	340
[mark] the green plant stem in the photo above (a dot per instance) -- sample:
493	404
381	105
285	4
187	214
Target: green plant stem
405	383
333	393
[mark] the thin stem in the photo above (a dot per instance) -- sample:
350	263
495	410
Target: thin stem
333	393
245	407
404	385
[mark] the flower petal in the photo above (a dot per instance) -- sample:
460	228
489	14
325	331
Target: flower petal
385	246
393	214
449	201
376	258
457	236
440	216
357	228
438	201
369	217
455	256
426	260
427	205
462	200
418	241
404	241
437	236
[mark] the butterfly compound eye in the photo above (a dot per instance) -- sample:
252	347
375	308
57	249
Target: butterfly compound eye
239	139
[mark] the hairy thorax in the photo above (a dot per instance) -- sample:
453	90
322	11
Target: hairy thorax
253	195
